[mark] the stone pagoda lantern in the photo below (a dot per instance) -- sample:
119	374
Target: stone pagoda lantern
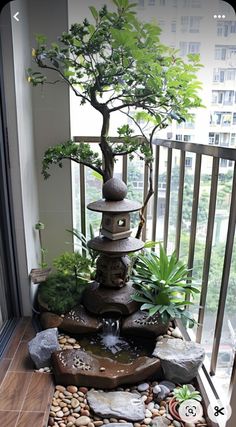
111	291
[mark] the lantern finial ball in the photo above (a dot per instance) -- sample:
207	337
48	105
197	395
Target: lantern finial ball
114	189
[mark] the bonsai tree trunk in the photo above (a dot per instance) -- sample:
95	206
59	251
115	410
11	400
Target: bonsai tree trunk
108	156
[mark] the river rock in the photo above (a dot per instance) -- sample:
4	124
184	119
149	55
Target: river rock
143	387
117	425
168	384
42	346
118	404
180	360
163	393
160	422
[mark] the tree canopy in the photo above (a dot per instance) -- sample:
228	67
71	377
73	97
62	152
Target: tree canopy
115	62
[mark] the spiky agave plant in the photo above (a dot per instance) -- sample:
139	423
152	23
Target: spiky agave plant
184	393
162	286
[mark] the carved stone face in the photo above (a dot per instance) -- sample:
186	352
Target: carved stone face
112	272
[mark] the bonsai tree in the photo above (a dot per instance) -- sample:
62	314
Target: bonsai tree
115	62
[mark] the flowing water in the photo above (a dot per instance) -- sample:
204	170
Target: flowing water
111	344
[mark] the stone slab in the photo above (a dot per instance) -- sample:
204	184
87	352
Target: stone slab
180	360
76	367
117	404
99	299
77	321
140	324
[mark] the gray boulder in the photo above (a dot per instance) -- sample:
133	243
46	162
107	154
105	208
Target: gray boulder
117	404
42	346
180	360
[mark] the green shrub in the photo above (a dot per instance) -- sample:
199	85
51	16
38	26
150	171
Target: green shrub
61	292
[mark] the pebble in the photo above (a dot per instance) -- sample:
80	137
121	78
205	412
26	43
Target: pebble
59	414
168	384
83	390
191	387
150	406
156	389
176	333
189	425
82	421
143	387
148	413
60	388
72	389
71	340
74	403
147	421
176	423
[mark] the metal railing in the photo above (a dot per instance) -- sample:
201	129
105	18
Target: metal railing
198	152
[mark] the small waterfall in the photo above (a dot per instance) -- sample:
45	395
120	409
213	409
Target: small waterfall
110	336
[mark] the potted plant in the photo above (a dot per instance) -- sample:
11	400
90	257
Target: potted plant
63	289
180	394
162	284
115	62
40	274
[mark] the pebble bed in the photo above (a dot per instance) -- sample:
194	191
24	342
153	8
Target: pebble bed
69	407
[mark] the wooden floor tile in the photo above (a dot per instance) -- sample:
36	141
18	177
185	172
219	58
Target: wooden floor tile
4	365
29	332
21	360
8	418
34	419
16	338
40	392
13	390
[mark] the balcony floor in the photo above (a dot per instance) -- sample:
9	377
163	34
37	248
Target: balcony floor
25	395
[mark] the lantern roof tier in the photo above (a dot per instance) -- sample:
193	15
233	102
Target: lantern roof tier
115	207
115	247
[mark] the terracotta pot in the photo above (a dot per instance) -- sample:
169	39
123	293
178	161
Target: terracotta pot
173	409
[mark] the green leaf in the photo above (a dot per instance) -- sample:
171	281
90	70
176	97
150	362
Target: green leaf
94	12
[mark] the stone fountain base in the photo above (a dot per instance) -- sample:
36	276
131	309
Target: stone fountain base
73	367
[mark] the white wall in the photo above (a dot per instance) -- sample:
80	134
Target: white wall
16	53
36	119
52	126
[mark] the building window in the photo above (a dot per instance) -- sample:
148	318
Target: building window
233	139
231	74
188	162
234	119
220	53
220	118
211	138
188	138
141	3
196	3
224	29
179	137
190	24
151	2
173	26
223	163
194	47
225	97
